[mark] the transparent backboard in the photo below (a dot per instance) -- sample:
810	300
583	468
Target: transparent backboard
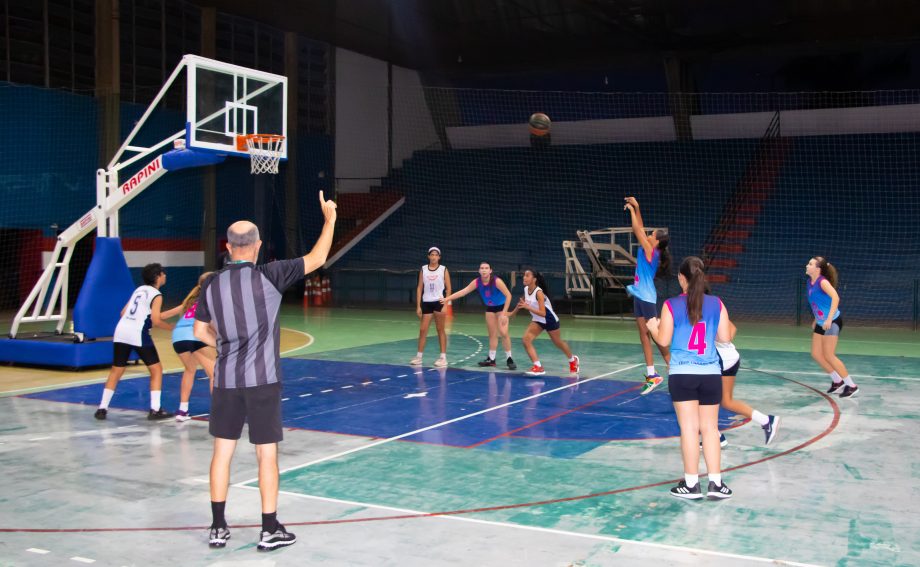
227	101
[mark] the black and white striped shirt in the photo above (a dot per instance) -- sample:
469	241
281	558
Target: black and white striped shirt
242	302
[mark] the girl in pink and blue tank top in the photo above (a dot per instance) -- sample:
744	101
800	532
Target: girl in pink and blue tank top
825	302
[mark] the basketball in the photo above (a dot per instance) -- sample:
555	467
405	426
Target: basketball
539	124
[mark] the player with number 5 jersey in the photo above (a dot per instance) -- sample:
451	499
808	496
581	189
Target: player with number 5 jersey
691	324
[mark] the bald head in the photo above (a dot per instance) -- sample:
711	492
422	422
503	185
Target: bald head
242	233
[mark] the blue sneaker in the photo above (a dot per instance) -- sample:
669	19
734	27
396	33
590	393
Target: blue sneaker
769	430
723	442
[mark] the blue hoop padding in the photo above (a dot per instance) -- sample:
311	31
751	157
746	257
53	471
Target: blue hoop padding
106	289
182	159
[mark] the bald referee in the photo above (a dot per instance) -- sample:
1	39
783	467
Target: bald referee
238	313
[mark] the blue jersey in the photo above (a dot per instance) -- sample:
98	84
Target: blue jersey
183	331
490	293
820	302
644	286
693	348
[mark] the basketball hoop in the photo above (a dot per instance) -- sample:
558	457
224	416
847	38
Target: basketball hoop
265	151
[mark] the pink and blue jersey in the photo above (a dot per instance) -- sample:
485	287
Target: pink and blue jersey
490	294
184	329
820	302
644	286
693	347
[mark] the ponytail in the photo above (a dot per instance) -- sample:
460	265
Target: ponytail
192	296
541	281
827	270
664	262
692	270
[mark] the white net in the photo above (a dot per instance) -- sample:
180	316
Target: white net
265	152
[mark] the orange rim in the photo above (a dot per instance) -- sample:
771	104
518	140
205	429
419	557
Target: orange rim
242	142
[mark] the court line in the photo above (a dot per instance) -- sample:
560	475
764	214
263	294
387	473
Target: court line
418	514
812	373
554	416
133	375
441	424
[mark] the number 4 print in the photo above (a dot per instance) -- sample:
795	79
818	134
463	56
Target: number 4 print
698	338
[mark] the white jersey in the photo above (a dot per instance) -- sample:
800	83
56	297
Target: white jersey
531	300
728	353
134	326
432	283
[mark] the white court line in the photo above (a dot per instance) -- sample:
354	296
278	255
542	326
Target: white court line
812	373
38	551
325	391
621	541
304	395
402	375
131	376
347	387
82	559
384	379
443	423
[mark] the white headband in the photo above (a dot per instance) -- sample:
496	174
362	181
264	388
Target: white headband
434	249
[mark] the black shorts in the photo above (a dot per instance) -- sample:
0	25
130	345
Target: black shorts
187	346
733	371
259	405
644	309
495	308
121	352
834	331
704	388
429	307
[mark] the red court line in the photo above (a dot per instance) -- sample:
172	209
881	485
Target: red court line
554	416
833	425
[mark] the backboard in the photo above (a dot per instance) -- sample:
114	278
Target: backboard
225	101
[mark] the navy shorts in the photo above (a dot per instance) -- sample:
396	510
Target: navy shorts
835	329
429	307
704	388
550	325
495	308
121	352
259	405
187	346
644	309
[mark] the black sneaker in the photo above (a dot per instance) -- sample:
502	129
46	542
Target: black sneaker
716	492
101	413
682	491
835	387
849	392
273	540
487	362
158	415
769	430
218	536
723	442
511	364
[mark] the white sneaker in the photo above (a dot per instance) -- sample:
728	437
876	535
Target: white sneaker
417	361
440	363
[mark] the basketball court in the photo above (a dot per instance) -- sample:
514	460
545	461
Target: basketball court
384	463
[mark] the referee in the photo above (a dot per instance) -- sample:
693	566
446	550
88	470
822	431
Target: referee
238	313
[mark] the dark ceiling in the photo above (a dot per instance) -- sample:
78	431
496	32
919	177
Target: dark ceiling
497	34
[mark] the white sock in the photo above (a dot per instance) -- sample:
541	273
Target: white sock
106	398
155	399
716	478
183	406
691	479
443	355
418	355
572	359
760	418
492	354
835	377
649	370
849	382
507	354
537	363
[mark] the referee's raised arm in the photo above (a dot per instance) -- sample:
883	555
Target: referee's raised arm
316	257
